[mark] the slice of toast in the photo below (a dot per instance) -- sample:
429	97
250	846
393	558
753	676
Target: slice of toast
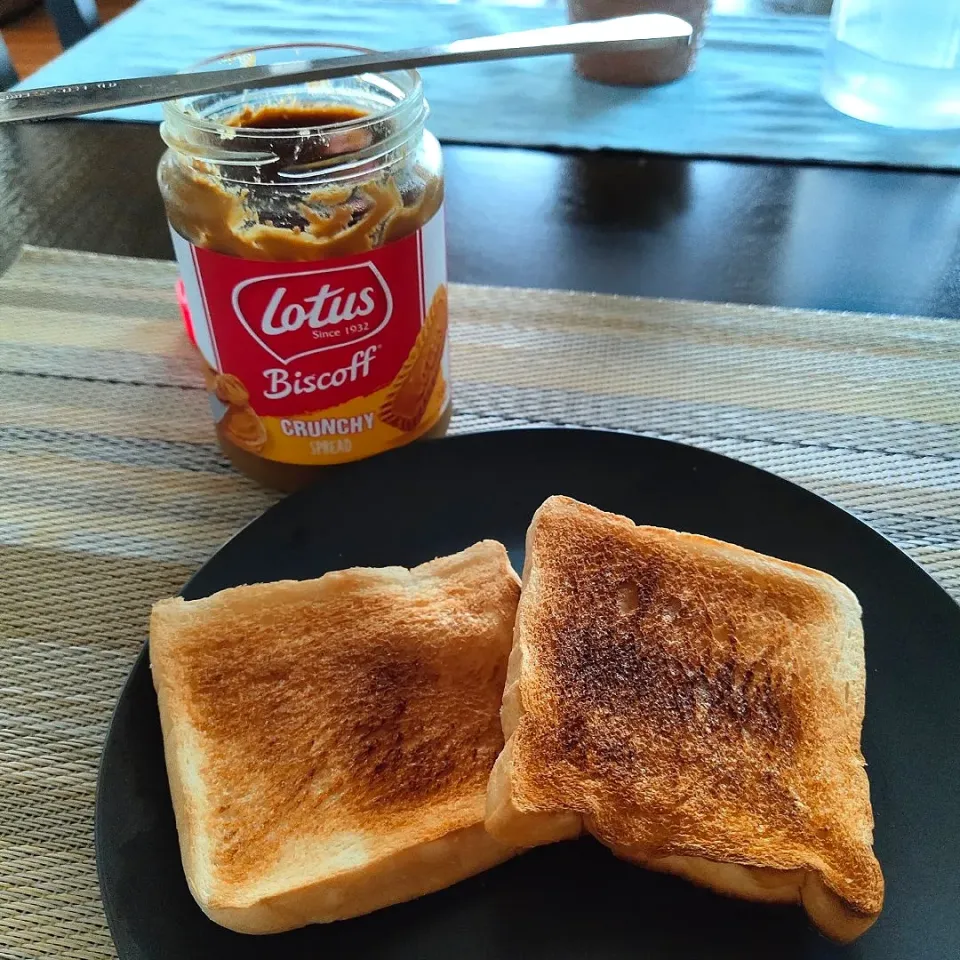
328	742
696	707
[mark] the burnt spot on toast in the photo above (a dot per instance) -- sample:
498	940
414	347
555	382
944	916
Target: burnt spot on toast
393	739
634	675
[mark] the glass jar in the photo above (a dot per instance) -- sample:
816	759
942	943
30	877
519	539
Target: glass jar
307	221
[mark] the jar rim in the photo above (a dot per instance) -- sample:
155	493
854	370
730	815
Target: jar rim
393	101
179	112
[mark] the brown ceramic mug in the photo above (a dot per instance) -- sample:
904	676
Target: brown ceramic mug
642	68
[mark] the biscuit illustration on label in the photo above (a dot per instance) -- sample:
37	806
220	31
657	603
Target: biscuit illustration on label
245	428
407	400
230	389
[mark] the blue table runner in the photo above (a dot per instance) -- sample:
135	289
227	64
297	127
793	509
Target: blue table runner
755	92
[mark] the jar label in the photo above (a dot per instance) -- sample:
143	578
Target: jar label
328	360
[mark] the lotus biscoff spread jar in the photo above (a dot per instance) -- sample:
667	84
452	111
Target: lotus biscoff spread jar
307	223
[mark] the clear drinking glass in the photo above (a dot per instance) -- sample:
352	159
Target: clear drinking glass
895	62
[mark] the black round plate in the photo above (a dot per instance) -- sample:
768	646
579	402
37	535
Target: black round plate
573	900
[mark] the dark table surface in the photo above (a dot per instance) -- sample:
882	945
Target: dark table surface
784	234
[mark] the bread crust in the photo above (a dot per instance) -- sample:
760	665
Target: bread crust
328	742
695	706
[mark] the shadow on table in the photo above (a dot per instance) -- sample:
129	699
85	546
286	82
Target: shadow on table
655	191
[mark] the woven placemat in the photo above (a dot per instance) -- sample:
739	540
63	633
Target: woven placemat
112	491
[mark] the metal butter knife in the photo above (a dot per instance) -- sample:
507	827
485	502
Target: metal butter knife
648	31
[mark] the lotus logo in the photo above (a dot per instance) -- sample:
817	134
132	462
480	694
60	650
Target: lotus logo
292	315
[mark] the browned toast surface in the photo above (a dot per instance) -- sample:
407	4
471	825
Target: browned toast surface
681	698
350	717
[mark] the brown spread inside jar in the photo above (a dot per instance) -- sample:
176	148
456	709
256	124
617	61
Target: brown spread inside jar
287	116
262	221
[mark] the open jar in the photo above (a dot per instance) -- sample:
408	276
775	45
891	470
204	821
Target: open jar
307	222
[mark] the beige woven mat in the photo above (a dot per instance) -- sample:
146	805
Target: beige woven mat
112	493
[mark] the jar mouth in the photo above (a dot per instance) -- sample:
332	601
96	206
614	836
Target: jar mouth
209	128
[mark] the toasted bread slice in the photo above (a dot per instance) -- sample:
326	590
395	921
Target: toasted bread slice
328	742
696	707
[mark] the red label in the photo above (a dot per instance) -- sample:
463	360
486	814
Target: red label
327	360
302	336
